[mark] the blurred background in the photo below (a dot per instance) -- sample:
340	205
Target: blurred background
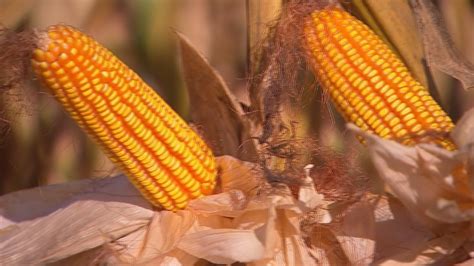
40	145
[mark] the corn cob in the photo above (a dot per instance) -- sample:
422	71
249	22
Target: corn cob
168	162
369	84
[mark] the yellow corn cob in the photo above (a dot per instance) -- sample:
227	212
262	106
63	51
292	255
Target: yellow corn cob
161	155
369	84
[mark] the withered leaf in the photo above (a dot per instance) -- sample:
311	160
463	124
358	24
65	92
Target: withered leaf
440	49
46	224
396	229
429	252
245	176
463	133
357	233
430	181
213	107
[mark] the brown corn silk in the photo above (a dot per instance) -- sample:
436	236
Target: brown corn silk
162	156
369	85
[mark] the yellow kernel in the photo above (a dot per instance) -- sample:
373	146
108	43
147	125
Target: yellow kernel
379	84
384	132
104	85
394	122
411	122
391	98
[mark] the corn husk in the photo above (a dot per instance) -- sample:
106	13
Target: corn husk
247	222
106	221
436	186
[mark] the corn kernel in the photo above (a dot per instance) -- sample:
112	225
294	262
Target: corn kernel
167	161
387	90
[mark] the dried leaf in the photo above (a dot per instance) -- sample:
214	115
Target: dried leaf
430	181
234	226
357	233
463	136
155	242
325	248
265	231
429	252
224	246
88	257
396	230
307	193
245	176
371	231
439	48
213	108
466	263
259	228
80	215
463	133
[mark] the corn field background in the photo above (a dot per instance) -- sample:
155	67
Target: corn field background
41	145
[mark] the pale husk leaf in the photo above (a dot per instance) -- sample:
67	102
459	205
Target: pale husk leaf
234	225
396	230
463	133
49	223
265	231
257	228
440	50
428	252
425	178
244	176
356	234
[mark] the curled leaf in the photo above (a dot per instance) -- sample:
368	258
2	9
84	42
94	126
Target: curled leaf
80	215
224	246
429	252
439	48
356	235
213	107
432	182
244	176
108	221
463	133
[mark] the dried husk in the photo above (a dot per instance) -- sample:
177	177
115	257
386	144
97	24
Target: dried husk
247	221
440	49
434	183
256	224
437	188
50	223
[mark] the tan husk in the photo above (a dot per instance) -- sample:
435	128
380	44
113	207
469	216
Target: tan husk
434	183
235	225
247	221
440	50
257	224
